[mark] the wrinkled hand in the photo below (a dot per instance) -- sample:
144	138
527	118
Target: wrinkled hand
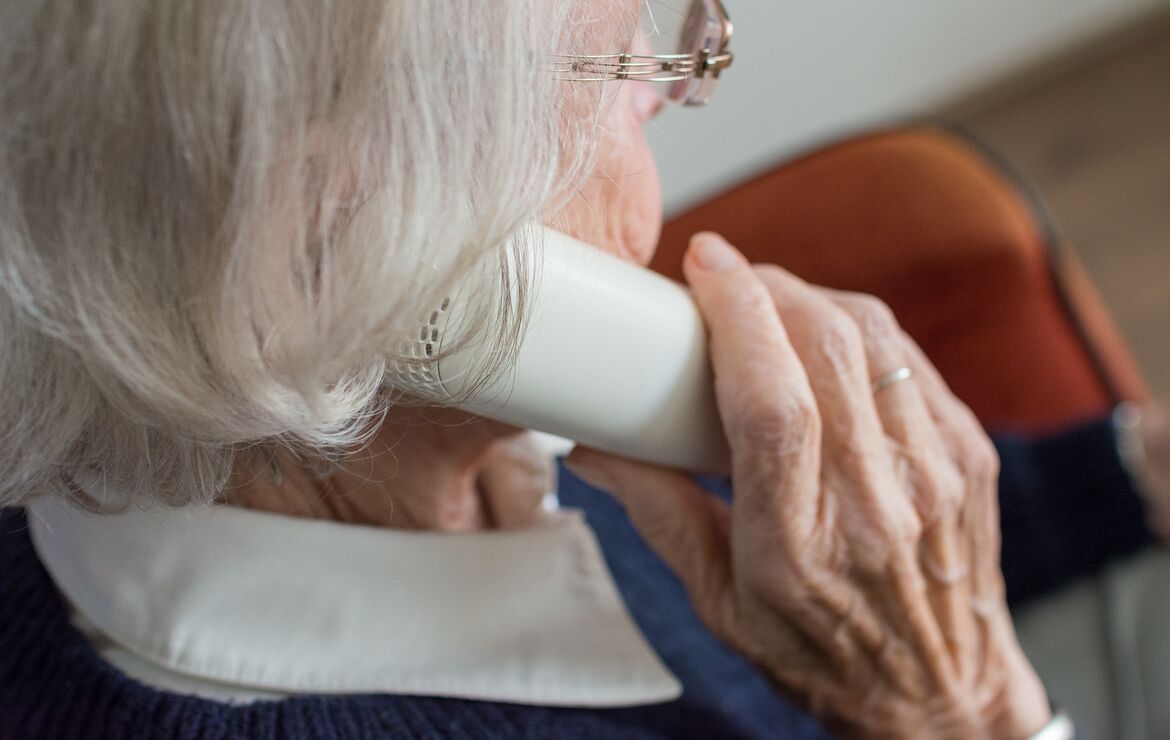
858	565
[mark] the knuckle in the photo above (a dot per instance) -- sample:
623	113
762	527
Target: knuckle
794	585
873	315
777	421
753	300
770	590
827	591
841	341
934	480
980	457
974	454
901	528
905	526
888	526
941	494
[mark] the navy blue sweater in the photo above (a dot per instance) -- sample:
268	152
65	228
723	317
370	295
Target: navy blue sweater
54	685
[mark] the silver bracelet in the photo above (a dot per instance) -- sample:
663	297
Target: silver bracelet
1060	727
1131	448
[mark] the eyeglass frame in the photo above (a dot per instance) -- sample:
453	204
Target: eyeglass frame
653	67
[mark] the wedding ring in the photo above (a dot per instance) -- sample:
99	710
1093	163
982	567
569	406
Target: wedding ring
897	376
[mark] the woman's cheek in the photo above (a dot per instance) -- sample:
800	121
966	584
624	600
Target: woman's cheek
635	195
619	208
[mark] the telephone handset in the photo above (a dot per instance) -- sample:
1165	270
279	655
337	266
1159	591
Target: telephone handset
614	356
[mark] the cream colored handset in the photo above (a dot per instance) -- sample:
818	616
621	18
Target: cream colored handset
614	356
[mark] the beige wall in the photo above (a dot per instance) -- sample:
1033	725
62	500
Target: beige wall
807	70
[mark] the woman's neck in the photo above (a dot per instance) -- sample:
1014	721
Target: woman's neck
426	468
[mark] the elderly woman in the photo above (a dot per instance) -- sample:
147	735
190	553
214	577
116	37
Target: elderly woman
236	528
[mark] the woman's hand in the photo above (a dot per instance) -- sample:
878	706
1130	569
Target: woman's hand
859	562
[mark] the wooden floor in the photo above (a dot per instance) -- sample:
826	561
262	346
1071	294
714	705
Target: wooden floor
1092	131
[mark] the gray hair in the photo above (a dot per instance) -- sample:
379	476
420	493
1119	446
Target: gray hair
175	182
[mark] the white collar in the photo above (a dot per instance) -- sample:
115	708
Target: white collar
279	604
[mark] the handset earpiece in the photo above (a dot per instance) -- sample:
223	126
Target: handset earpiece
613	356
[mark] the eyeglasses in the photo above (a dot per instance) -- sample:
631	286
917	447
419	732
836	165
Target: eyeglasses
692	70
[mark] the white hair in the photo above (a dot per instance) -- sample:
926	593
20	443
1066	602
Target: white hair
175	180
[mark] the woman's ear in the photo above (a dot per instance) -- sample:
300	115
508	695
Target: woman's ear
311	187
316	183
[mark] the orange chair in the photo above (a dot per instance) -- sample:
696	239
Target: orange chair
923	218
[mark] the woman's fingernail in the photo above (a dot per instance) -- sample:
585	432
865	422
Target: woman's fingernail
591	475
713	254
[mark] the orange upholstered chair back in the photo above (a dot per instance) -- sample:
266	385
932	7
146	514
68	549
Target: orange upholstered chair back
923	219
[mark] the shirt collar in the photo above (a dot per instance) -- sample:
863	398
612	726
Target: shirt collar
290	605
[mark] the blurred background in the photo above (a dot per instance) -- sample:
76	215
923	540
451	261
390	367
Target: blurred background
1075	95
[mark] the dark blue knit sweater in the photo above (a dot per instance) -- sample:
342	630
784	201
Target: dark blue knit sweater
54	685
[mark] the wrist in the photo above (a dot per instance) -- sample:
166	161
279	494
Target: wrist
1023	708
